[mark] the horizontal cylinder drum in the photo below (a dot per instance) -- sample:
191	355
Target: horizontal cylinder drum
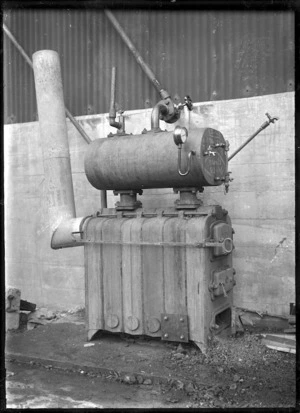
150	160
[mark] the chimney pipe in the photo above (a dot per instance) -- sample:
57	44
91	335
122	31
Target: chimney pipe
55	147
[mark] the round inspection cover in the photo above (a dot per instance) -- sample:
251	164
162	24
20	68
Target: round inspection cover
112	321
153	324
132	323
214	164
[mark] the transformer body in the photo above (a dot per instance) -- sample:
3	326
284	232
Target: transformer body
159	272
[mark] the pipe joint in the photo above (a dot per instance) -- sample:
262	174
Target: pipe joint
114	123
164	110
69	233
112	111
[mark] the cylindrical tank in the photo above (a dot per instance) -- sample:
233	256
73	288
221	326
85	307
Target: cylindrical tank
150	160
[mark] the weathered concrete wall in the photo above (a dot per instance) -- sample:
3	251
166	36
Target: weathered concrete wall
260	202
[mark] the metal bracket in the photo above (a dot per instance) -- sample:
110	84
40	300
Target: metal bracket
174	327
209	151
128	201
188	198
221	145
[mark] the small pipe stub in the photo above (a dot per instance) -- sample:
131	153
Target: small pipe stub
120	126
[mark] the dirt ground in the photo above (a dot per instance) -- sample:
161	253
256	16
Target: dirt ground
31	387
237	371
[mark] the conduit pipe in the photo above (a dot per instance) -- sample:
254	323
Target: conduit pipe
134	51
165	109
55	148
112	109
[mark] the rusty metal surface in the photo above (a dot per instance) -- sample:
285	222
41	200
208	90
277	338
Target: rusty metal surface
222	282
174	327
150	161
131	283
210	55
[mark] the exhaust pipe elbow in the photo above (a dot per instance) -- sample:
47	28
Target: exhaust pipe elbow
69	233
160	109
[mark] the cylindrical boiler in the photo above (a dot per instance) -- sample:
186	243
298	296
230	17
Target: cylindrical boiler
150	160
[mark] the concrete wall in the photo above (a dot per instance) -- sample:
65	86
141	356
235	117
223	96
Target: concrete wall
260	202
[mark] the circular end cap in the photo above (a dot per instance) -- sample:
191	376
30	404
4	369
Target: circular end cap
132	323
213	158
153	325
112	321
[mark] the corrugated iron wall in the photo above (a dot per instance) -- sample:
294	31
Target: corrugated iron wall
210	55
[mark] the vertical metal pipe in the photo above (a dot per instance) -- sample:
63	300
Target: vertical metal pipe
113	92
112	109
53	132
103	198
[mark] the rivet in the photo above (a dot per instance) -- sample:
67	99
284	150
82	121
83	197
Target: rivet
181	337
166	335
181	319
166	318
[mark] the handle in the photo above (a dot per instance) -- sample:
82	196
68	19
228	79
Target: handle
221	244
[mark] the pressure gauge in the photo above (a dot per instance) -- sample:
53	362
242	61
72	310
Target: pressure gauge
180	135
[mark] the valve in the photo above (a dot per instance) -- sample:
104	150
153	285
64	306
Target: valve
187	102
226	182
271	119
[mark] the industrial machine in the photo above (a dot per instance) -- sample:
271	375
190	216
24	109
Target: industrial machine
164	272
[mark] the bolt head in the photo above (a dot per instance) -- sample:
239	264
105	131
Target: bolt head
181	319
166	335
165	318
181	337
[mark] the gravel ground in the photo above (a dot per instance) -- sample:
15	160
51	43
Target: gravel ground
247	374
237	371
